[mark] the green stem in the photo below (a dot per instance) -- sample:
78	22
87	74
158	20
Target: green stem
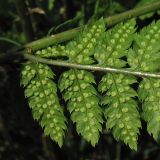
67	35
53	39
90	67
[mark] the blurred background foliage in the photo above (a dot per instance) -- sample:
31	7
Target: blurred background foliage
21	138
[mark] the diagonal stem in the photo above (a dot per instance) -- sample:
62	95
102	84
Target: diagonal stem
67	35
90	67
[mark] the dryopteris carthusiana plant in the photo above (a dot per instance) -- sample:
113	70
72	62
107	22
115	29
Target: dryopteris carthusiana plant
119	47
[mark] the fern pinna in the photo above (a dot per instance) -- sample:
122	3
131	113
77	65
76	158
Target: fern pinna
145	57
118	47
77	87
121	111
43	100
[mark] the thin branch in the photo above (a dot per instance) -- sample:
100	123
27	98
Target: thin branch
51	40
90	67
67	35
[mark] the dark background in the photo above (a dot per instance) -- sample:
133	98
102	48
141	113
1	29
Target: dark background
21	138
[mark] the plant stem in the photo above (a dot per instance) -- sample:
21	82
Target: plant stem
67	35
25	19
53	39
90	67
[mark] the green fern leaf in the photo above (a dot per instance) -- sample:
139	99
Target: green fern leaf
82	103
77	87
41	93
146	51
121	113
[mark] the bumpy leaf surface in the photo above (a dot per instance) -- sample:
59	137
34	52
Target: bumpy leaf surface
121	113
41	93
145	57
77	86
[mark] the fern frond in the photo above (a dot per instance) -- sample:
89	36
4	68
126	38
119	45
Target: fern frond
145	57
41	93
82	103
77	87
121	112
